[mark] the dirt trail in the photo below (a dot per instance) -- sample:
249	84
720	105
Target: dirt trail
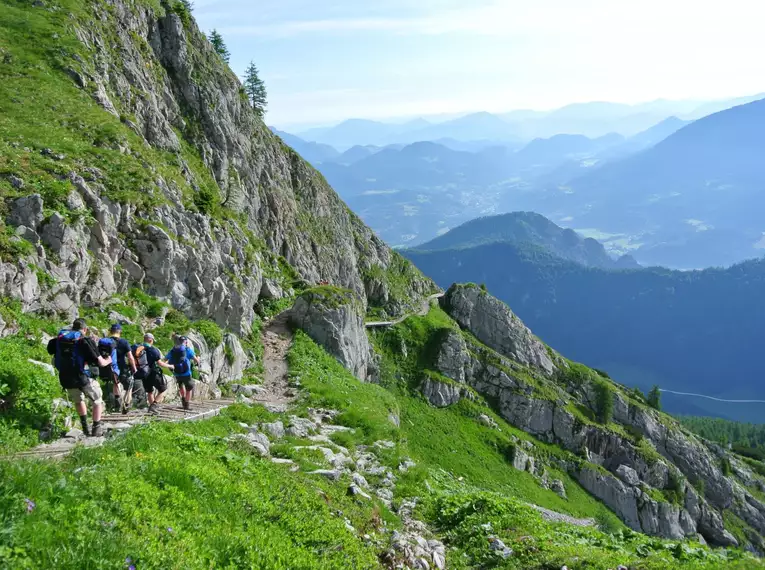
424	308
277	339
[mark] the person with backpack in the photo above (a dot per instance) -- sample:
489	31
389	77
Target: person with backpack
123	367
74	350
179	360
148	361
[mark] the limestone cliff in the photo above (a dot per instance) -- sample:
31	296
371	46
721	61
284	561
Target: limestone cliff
151	169
624	458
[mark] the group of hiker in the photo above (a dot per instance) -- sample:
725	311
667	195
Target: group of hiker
129	372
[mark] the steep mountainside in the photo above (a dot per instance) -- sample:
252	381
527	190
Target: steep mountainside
151	169
699	187
682	330
530	228
139	187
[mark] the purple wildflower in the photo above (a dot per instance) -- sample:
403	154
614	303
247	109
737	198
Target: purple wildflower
131	567
169	529
30	505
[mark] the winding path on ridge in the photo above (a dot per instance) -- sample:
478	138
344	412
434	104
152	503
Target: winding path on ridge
424	308
277	339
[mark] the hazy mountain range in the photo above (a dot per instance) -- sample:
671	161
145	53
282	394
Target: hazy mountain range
592	119
687	331
683	194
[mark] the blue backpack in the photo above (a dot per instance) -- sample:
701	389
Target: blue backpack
68	356
181	361
107	348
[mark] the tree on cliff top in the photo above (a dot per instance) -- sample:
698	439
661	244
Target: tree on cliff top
219	45
255	89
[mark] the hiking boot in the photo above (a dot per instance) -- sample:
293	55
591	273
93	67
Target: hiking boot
154	409
98	430
117	407
185	404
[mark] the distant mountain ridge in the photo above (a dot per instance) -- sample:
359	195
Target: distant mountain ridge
531	228
700	187
593	119
687	331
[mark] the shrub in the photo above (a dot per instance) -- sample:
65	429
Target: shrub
725	466
26	390
604	401
211	332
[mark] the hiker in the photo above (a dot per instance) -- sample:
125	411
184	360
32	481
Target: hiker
73	350
123	367
148	360
179	360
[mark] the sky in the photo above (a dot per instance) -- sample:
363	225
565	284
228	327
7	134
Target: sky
328	60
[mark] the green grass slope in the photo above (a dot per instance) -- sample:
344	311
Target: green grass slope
181	496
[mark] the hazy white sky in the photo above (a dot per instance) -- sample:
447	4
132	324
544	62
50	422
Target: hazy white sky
329	60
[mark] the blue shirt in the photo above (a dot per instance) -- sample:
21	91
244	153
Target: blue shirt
123	347
190	354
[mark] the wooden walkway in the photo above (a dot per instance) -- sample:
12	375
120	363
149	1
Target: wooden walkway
199	410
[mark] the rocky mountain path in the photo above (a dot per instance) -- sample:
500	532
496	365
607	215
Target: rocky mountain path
199	410
424	308
276	394
553	516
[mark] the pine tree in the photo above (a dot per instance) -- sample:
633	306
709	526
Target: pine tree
654	398
219	45
255	89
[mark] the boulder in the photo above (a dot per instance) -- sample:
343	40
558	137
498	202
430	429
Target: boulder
300	427
487	421
494	324
334	319
275	429
441	393
628	475
228	361
26	211
557	487
452	357
617	496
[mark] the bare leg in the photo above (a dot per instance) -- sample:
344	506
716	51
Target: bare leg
150	397
97	410
82	409
159	398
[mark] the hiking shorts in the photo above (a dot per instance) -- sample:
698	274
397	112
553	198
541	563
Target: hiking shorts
186	381
92	391
155	379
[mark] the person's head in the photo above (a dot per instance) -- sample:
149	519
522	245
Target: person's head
116	330
181	340
80	325
148	338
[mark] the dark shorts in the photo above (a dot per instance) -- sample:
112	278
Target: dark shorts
185	381
155	379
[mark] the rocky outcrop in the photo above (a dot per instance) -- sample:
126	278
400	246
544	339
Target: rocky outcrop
495	325
144	67
220	365
334	319
441	392
614	469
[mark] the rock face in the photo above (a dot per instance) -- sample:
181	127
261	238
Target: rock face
204	265
494	324
220	365
441	393
334	319
613	468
